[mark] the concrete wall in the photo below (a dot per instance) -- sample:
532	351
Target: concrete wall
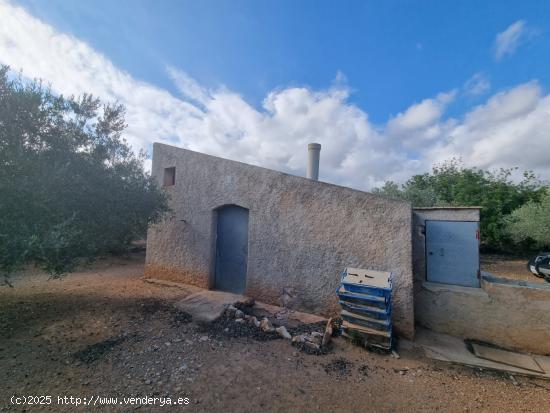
302	233
512	314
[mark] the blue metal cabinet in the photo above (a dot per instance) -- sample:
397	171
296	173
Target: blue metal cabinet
452	252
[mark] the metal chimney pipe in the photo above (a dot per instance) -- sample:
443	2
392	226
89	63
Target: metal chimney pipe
314	152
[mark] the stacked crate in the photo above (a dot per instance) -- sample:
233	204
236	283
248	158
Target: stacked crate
365	298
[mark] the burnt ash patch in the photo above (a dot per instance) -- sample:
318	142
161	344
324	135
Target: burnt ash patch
339	367
321	351
95	351
178	318
151	306
227	328
154	308
307	328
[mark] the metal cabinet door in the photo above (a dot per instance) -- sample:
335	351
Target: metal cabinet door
231	249
452	252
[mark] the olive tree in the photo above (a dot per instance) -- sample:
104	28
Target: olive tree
70	185
531	222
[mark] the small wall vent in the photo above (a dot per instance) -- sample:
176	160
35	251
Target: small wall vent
169	176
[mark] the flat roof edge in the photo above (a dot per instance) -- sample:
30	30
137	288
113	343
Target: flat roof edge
317	182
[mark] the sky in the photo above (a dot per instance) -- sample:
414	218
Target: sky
388	88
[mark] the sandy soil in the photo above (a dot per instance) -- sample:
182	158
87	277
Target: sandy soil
105	332
508	267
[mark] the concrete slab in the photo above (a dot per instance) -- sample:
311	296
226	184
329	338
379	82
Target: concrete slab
208	305
451	349
543	362
507	357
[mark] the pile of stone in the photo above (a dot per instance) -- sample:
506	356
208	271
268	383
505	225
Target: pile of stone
314	341
264	324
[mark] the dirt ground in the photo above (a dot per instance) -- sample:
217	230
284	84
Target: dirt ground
105	332
508	267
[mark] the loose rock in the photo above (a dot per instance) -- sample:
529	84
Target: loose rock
230	311
298	339
282	331
265	325
254	321
312	346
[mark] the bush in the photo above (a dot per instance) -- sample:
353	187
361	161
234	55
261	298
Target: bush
71	186
531	223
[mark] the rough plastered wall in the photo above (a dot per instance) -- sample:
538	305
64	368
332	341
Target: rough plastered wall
302	233
512	314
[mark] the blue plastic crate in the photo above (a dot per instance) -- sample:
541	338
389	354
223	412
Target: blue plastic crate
371	282
363	289
365	321
364	299
374	312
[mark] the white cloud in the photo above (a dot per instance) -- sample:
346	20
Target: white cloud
417	127
507	130
421	115
510	129
188	86
477	85
507	42
506	106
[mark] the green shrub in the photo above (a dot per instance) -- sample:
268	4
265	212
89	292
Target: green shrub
531	222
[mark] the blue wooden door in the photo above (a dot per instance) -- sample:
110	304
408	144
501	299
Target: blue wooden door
231	249
452	252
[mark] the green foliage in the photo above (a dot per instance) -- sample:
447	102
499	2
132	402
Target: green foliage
71	186
531	222
451	184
